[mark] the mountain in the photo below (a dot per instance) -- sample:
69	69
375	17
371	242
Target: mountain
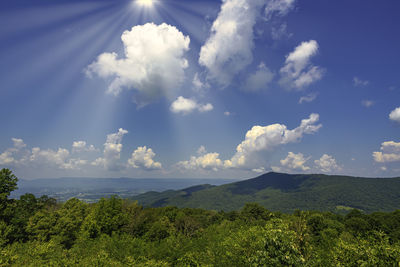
92	189
286	193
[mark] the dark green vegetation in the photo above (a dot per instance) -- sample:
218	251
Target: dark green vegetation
116	232
93	189
287	193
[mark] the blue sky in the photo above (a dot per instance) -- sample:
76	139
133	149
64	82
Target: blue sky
187	89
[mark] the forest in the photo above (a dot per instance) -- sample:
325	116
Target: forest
39	231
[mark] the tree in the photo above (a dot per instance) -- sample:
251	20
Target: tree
8	183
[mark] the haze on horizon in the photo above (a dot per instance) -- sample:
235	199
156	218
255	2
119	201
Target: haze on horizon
218	89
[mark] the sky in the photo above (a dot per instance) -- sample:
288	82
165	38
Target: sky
199	89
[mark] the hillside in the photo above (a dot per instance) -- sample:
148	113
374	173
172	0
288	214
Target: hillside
286	193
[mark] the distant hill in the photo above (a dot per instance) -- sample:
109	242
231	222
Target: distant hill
92	189
286	193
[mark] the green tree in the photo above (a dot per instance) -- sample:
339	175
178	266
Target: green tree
8	183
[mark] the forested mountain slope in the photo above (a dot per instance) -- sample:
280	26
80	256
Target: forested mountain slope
286	193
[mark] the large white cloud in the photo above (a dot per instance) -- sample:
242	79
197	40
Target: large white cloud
295	161
395	115
327	164
203	161
390	152
298	72
228	49
260	79
261	138
153	63
112	151
142	157
187	105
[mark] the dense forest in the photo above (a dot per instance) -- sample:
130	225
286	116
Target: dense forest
117	232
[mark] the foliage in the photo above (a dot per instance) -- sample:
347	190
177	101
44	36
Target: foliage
117	232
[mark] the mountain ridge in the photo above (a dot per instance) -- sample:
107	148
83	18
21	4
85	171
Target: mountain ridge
287	193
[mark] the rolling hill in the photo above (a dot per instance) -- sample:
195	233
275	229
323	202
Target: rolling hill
286	193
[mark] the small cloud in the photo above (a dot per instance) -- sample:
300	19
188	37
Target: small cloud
358	82
186	106
390	152
395	115
367	103
259	170
298	72
308	98
227	113
383	168
327	164
142	158
295	162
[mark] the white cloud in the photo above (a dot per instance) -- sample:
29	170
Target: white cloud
298	72
186	106
390	152
395	115
295	162
81	146
153	63
367	103
359	82
112	151
280	7
260	79
208	161
227	113
142	157
258	170
8	156
308	98
261	138
55	158
327	164
228	49
18	143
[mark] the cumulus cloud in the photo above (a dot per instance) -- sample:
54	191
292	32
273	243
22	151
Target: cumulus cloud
203	161
327	164
395	115
358	82
228	49
55	158
390	152
8	156
261	138
112	151
298	72
81	146
142	157
308	98
295	161
260	79
367	103
153	63
186	106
